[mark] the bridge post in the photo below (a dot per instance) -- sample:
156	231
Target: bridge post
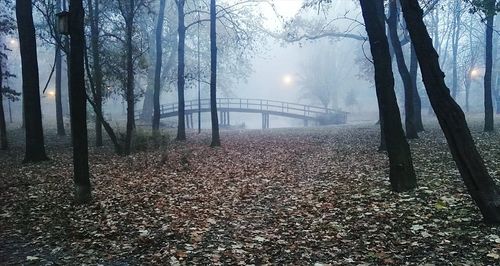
265	120
228	120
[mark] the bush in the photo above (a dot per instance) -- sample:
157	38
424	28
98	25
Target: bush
144	140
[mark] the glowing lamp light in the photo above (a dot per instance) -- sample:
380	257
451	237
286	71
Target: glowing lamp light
51	93
287	80
474	73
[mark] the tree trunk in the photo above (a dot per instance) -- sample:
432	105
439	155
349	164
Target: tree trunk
98	111
35	149
480	185
213	76
3	125
78	107
58	54
455	38
130	97
401	175
181	127
159	53
488	101
392	22
94	44
417	103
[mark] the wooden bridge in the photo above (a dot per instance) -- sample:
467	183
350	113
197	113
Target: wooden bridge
225	106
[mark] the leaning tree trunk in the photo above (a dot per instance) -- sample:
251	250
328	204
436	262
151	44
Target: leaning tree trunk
35	149
97	70
78	107
480	185
392	22
488	101
417	103
213	76
159	53
3	125
181	127
401	175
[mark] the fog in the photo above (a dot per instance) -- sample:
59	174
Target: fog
330	72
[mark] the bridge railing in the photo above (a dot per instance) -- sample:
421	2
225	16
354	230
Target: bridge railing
251	104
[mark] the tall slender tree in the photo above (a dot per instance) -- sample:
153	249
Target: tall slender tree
94	13
35	148
58	66
213	75
417	103
488	100
159	53
181	30
392	22
401	175
78	107
479	183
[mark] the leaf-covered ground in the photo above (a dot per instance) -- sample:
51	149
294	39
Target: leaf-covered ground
295	196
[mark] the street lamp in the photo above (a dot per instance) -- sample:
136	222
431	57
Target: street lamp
287	79
62	22
474	73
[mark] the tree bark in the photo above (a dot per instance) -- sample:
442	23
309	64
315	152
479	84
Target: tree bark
35	149
97	70
479	183
213	76
417	103
401	175
78	107
58	66
488	101
181	127
392	22
159	54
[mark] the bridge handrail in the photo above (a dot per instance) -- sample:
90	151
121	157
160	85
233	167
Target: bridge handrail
252	104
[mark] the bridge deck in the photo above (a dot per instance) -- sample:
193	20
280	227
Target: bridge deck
278	108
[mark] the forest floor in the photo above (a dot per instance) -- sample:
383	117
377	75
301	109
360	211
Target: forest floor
284	196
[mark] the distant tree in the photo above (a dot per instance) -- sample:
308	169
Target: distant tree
417	103
213	75
158	63
47	33
78	106
128	10
401	175
479	183
392	21
35	149
94	14
7	27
